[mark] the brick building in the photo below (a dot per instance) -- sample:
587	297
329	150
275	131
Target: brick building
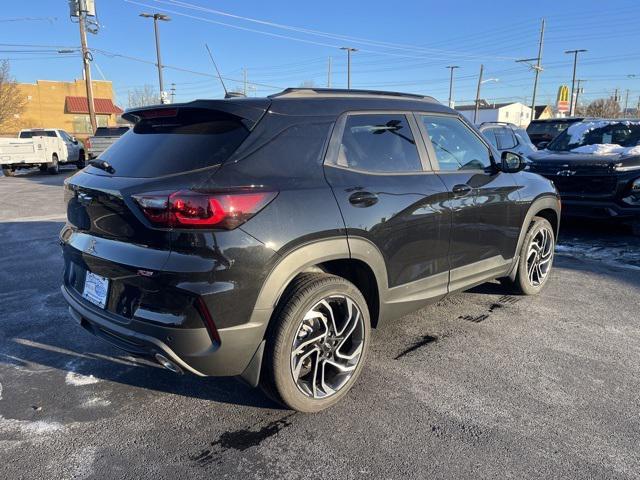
53	104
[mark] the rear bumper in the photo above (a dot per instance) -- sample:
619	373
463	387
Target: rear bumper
190	348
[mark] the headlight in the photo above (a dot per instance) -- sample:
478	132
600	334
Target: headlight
621	167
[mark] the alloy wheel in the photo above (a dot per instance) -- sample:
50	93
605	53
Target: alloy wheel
327	347
539	256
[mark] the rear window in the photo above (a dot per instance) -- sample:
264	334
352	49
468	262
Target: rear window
186	140
38	133
547	128
111	131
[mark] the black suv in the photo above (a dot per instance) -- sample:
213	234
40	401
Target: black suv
265	238
541	132
595	165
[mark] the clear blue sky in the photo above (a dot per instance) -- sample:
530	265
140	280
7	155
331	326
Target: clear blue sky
403	45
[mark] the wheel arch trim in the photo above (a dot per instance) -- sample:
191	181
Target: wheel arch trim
544	202
306	256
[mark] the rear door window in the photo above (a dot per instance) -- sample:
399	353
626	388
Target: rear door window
174	141
379	143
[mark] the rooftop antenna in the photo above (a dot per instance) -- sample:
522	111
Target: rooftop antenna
217	71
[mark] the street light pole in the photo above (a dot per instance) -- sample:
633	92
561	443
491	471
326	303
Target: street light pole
349	50
165	18
573	80
452	68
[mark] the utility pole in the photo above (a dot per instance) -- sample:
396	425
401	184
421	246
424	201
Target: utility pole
452	68
537	68
329	74
164	18
626	103
86	59
573	80
244	88
475	113
349	50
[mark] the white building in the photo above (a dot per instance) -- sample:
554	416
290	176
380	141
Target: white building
516	113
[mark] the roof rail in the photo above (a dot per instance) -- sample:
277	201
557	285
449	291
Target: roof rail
340	92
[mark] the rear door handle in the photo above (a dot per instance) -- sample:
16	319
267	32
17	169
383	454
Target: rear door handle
363	199
461	190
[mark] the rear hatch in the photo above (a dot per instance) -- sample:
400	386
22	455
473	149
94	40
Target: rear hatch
579	175
169	149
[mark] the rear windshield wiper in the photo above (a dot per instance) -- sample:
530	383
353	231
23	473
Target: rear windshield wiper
103	165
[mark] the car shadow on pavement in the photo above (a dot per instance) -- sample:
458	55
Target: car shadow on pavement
87	365
44	178
38	335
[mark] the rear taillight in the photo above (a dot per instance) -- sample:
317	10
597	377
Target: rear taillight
189	209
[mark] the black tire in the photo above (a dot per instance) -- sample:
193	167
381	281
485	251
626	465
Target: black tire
304	294
82	161
53	168
523	284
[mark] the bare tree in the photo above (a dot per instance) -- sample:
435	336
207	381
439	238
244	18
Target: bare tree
604	108
141	97
11	102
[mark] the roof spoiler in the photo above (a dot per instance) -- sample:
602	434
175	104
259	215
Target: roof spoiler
250	110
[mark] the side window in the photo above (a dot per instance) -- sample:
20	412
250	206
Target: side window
456	146
378	143
490	134
64	136
505	138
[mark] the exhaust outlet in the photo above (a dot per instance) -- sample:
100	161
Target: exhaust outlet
168	364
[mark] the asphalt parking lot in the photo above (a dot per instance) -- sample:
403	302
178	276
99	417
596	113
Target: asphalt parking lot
480	385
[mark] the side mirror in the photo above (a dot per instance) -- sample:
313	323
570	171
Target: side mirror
542	145
512	162
74	140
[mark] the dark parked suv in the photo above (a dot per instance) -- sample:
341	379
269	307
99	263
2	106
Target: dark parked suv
265	238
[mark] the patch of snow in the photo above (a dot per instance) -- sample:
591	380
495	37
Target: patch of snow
633	150
620	256
95	402
27	428
607	149
578	130
600	149
78	380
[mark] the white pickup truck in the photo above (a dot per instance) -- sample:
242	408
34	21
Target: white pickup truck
45	148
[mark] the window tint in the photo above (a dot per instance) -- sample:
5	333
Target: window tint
185	140
505	138
379	143
456	147
110	131
490	135
37	133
